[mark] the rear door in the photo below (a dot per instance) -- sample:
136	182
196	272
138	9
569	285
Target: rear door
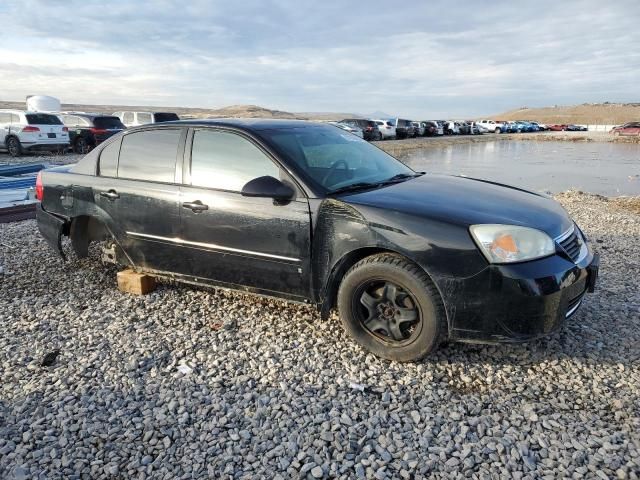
236	240
5	125
138	195
634	129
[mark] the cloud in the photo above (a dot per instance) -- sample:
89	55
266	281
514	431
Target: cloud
432	60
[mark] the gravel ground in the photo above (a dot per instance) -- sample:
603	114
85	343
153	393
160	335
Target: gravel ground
186	383
50	159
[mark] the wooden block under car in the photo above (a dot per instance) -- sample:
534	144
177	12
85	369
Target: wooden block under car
130	281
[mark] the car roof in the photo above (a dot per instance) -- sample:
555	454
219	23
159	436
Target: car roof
248	124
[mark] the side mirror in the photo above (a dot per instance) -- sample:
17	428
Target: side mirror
268	187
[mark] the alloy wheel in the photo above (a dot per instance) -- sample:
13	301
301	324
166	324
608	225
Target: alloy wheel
388	311
82	146
13	147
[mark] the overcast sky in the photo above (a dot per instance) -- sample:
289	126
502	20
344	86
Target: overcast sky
418	59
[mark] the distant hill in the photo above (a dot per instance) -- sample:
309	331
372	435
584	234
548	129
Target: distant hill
244	111
585	114
240	111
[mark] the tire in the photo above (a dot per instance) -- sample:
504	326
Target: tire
14	147
81	146
497	130
379	138
373	296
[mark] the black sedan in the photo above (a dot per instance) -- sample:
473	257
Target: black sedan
309	213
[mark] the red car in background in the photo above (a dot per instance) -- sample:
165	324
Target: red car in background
558	128
631	128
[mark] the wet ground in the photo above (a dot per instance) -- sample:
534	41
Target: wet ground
609	169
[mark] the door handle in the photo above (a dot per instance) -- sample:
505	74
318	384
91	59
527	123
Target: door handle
195	207
111	194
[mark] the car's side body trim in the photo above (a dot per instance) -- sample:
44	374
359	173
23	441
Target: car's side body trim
211	246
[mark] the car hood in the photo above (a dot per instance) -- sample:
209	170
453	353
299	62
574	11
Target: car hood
467	201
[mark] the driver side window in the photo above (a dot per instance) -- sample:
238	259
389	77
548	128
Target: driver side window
227	161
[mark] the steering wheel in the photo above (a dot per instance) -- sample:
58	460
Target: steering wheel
332	170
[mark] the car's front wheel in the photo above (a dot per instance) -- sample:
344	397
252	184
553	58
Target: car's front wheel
14	147
392	308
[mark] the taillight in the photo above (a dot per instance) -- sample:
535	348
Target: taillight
65	129
98	131
29	128
39	187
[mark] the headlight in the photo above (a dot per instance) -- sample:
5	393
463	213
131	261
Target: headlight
511	243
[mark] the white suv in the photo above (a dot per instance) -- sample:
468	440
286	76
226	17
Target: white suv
492	126
22	131
132	119
387	129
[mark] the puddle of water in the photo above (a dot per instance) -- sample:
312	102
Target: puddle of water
605	168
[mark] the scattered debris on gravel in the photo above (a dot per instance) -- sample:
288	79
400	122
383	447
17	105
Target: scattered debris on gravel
186	383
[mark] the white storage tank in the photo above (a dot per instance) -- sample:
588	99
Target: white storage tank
43	103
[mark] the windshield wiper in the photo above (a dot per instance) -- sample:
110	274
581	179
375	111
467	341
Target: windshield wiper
362	185
399	177
355	186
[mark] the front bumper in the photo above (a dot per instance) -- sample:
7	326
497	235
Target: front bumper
520	302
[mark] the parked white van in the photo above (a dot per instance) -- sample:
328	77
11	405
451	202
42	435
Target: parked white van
25	131
132	119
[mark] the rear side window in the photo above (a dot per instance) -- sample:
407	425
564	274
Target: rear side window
5	117
15	119
226	161
144	118
127	117
108	164
165	117
149	155
108	123
42	119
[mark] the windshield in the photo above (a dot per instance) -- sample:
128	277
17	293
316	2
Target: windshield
332	159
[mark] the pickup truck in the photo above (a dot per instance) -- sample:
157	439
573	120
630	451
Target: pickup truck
310	213
492	126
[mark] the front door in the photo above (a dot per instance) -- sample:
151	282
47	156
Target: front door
236	240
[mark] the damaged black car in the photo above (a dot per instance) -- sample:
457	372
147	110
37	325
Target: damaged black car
310	213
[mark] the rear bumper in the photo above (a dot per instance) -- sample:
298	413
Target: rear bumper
51	227
517	303
33	147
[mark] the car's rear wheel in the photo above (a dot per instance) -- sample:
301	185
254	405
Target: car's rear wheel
81	146
14	147
379	136
497	130
392	308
